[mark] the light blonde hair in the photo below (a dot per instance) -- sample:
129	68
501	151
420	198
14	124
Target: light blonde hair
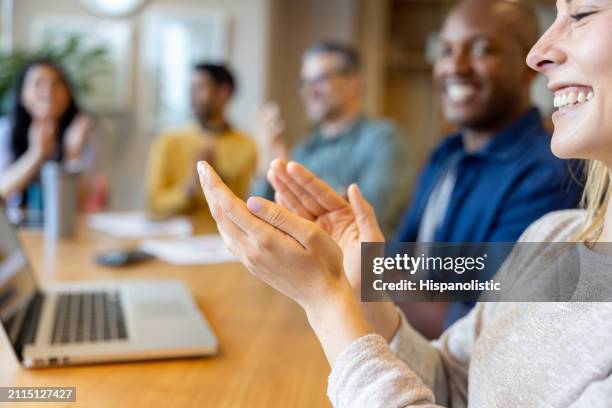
596	197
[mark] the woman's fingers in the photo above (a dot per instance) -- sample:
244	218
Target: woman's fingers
314	187
299	229
281	200
224	205
285	197
306	200
269	230
365	216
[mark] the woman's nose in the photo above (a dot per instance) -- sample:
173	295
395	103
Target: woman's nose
546	53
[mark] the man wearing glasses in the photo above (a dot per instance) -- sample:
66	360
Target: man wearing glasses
345	146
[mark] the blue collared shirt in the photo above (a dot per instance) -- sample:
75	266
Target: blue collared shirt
499	191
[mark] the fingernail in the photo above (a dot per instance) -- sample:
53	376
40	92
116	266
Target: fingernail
254	204
357	188
203	170
276	164
291	166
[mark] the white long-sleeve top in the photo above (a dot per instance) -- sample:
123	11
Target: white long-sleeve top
539	354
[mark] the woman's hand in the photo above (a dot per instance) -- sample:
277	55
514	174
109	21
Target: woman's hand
291	254
76	136
42	136
348	223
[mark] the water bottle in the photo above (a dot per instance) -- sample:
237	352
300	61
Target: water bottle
60	199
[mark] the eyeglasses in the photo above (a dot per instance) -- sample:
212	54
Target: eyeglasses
323	78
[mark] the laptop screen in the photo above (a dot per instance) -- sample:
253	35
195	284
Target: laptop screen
17	285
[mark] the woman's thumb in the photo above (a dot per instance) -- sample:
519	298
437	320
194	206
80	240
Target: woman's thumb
365	216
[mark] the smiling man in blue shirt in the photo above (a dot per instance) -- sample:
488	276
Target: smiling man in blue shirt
497	174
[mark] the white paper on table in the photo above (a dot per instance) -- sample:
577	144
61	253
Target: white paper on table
136	225
198	250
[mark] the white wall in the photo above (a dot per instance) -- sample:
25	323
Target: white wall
248	42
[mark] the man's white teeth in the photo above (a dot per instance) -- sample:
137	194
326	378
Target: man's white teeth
572	98
460	93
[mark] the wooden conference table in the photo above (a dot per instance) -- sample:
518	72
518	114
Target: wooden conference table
268	355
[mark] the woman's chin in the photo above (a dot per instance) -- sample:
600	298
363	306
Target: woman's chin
583	147
566	146
43	113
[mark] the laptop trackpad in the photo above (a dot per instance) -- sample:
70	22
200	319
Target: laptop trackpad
168	302
160	308
165	314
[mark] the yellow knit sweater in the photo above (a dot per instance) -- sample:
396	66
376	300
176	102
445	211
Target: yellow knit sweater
172	162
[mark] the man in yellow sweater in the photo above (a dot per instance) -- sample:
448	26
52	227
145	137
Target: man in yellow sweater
172	182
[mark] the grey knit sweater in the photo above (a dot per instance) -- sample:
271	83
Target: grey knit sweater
500	355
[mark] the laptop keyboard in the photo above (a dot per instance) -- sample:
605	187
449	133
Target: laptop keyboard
88	317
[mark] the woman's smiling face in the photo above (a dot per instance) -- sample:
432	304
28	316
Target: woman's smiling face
576	56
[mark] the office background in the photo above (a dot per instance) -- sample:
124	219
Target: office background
261	39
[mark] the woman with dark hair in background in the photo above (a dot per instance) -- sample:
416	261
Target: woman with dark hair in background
45	124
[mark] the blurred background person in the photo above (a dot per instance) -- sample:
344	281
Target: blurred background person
172	182
496	175
46	124
345	145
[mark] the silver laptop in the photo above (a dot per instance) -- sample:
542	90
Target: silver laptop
94	322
